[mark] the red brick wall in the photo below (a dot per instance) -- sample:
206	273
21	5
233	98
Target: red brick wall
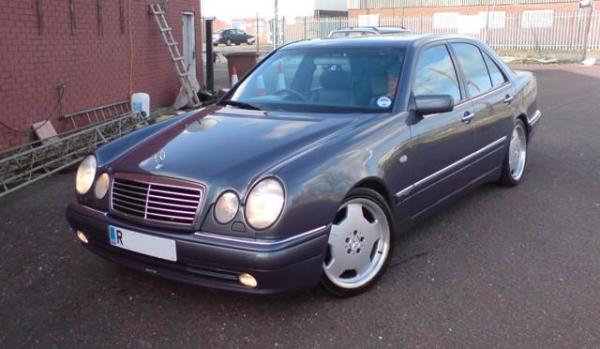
94	67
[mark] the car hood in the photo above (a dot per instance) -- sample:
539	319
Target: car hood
227	147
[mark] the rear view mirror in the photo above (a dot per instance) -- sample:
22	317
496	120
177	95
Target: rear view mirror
433	104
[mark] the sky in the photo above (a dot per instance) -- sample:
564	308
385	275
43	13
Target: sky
230	9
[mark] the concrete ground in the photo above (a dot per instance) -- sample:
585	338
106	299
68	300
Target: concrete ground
505	268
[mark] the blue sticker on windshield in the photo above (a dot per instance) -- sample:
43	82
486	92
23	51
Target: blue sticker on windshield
384	102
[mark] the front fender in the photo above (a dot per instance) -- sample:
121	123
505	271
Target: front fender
317	182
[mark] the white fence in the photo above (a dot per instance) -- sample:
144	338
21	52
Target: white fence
543	30
369	4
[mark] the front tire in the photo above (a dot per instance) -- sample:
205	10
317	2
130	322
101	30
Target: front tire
360	243
513	167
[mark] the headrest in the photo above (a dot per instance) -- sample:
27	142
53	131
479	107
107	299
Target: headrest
379	84
337	80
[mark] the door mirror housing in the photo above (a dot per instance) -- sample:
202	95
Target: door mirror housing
433	104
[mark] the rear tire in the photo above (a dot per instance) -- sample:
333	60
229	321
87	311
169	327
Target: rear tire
513	167
360	244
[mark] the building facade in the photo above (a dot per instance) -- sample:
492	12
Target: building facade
62	57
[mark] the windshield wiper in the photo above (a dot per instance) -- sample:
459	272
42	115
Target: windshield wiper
242	105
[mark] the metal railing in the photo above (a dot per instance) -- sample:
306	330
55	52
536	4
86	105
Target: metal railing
378	4
26	164
544	30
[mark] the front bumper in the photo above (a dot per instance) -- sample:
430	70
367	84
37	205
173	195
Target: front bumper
212	260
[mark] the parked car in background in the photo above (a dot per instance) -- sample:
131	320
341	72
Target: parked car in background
353	32
232	37
306	170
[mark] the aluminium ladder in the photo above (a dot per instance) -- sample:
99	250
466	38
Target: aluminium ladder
182	71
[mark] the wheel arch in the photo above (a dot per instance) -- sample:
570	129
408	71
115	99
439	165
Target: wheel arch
523	118
377	184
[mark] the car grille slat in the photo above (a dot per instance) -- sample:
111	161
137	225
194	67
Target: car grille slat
121	195
136	205
171	199
141	186
153	202
128	209
154	208
184	195
131	192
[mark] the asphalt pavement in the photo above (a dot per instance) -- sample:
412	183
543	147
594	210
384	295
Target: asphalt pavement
503	268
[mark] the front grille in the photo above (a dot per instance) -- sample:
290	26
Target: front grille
155	202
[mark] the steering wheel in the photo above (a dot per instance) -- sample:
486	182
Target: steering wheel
290	92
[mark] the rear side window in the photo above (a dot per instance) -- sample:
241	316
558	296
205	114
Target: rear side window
436	74
477	79
496	74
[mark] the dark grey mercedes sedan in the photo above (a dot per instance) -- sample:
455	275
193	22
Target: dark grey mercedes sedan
306	169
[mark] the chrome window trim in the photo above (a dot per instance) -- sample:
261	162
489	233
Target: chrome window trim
449	168
262	242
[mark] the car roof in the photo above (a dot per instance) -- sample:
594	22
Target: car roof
414	40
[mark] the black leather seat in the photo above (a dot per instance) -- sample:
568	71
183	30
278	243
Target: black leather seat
337	88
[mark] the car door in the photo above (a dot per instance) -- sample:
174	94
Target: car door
226	36
240	37
441	143
243	37
492	98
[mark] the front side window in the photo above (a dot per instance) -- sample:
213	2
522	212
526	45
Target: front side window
477	79
328	80
435	74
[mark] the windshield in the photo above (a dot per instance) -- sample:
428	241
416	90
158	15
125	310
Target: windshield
325	80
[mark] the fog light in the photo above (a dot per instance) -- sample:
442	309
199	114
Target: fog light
247	280
81	236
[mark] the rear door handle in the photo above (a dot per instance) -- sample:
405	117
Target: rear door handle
508	99
467	117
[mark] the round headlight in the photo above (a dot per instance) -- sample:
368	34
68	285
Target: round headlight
264	203
101	186
226	207
86	174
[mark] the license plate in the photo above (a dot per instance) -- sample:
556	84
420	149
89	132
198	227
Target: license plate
141	243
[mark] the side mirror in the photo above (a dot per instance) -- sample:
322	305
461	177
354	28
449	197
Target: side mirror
433	104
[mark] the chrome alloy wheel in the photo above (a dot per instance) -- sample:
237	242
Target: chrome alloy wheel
359	243
517	152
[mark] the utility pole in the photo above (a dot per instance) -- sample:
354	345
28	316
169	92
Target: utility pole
276	25
257	41
210	70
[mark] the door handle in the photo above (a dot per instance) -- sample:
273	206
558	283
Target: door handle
467	117
508	99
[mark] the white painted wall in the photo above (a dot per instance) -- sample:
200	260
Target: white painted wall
331	5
